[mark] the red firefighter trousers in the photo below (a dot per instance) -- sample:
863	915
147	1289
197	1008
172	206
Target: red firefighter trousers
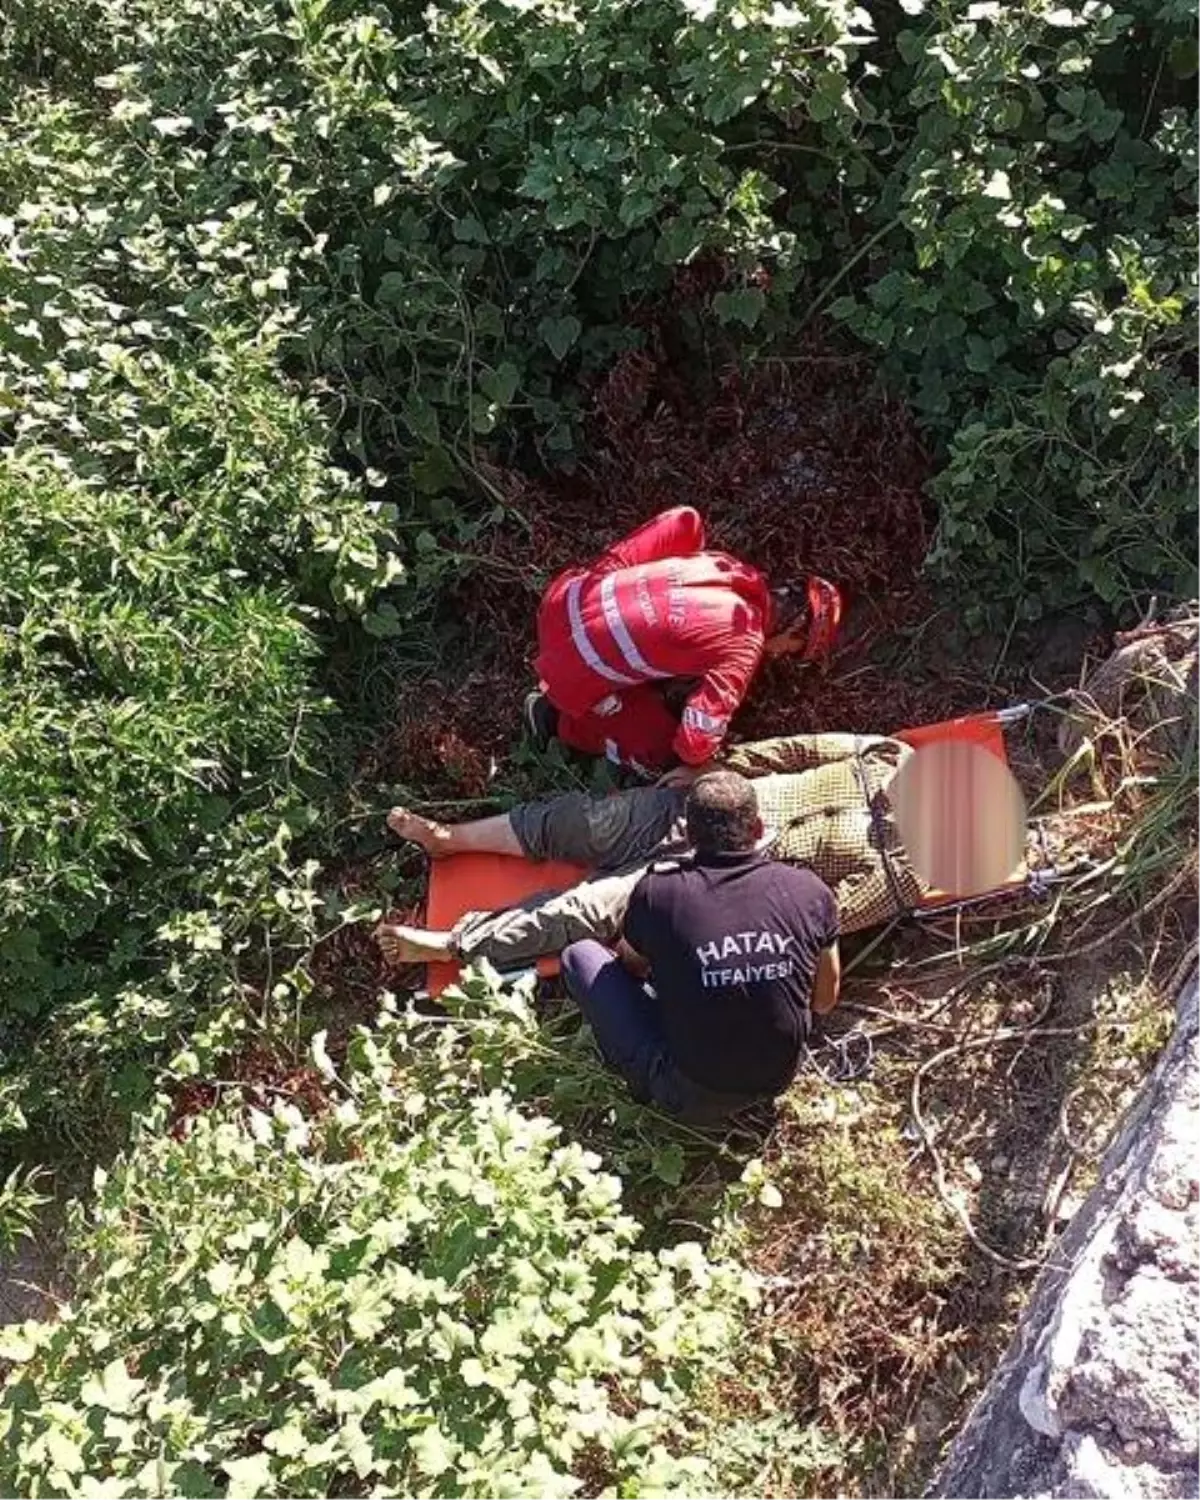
640	734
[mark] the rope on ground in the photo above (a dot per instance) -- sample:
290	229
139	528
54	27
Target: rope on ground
919	1023
925	1019
927	1140
845	1067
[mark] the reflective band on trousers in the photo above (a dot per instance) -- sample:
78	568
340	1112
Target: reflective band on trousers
696	718
620	631
582	643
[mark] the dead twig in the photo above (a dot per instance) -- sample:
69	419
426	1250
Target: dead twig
1187	962
1188	872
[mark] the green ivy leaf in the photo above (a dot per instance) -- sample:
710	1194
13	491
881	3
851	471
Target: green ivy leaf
221	1277
483	414
1182	56
500	385
20	1342
978	356
421	418
560	334
64	1453
383	622
250	1477
434	472
745	306
288	1442
470	230
433	1451
667	1164
114	1389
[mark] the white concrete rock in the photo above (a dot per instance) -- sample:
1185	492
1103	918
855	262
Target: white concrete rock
1097	1396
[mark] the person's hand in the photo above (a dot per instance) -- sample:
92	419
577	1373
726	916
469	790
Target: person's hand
683	775
631	960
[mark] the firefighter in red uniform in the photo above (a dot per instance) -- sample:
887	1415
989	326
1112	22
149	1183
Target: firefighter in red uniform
645	654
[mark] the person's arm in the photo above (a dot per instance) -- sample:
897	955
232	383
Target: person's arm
636	928
632	960
672	533
795	752
715	699
827	982
682	776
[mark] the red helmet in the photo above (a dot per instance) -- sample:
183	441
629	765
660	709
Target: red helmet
824	618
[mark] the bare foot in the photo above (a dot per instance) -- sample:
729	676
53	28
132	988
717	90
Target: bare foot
435	838
413	945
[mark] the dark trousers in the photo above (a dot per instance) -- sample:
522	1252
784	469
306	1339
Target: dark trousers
625	1019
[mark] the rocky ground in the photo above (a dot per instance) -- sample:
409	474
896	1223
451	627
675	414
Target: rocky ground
1097	1394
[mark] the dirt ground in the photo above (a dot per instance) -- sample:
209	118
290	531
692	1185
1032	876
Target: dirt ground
995	1049
920	1198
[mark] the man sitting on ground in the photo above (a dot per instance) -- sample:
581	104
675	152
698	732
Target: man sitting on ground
823	800
737	950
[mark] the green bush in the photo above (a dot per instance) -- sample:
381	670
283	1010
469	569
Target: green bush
448	215
1034	290
246	252
446	209
159	691
421	1292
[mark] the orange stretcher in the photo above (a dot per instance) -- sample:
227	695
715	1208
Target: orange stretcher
489	882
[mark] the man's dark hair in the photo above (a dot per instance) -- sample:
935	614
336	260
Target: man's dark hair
722	814
789	609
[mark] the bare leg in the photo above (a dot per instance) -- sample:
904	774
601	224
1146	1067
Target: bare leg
484	836
413	945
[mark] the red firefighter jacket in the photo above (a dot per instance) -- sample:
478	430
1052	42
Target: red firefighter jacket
656	606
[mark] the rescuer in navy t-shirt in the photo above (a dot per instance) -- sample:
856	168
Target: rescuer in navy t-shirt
738	951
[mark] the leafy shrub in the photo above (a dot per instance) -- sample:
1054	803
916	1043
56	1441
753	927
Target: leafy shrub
448	216
214	216
174	542
159	687
446	209
417	1293
1037	243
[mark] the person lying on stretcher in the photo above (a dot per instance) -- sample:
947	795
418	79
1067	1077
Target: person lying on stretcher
823	801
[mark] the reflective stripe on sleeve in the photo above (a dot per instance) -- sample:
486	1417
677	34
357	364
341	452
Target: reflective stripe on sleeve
582	643
620	631
696	718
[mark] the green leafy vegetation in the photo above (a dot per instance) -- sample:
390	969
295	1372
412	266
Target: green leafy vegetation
417	1292
1039	294
286	288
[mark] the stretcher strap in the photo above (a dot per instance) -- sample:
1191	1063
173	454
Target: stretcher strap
874	805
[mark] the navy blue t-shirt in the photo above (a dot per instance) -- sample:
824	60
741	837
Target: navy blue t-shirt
733	943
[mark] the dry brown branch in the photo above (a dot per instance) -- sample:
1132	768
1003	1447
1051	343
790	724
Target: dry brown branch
1188	872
